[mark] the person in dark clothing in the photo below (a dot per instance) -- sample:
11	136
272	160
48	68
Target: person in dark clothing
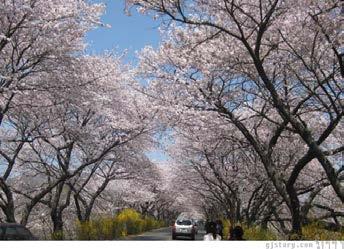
206	225
219	228
211	233
236	233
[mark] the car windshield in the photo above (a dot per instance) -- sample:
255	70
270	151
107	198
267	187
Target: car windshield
184	222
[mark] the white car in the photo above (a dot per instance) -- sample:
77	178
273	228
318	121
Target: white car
184	227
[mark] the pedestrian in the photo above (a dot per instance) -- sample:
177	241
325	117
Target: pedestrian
236	233
211	232
206	225
219	228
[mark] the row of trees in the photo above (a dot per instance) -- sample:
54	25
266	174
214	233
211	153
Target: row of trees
73	130
254	91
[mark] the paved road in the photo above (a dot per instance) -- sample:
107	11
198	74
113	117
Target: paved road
161	234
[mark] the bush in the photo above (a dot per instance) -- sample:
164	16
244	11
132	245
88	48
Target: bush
100	229
106	229
133	223
57	235
125	223
257	233
313	231
316	231
226	227
151	223
85	231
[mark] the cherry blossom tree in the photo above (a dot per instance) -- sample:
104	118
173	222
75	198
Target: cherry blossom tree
91	129
38	40
226	174
222	169
257	64
71	123
39	37
127	163
59	142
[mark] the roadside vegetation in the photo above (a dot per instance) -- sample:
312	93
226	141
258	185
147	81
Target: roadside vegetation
127	222
316	231
312	231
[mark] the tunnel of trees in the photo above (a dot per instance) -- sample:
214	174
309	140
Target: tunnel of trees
249	93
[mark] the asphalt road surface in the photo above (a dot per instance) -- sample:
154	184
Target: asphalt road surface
161	234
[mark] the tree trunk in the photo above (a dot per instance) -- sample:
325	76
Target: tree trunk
78	209
294	207
8	207
238	211
9	213
56	218
232	215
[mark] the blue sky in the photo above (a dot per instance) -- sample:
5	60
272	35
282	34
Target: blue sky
130	33
127	33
